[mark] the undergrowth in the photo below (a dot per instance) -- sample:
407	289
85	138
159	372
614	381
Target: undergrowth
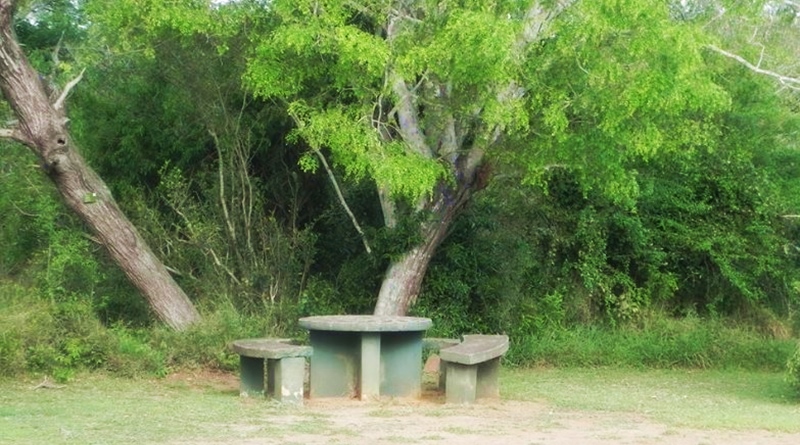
664	343
39	336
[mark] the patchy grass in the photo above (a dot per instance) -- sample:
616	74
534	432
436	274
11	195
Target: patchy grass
100	409
727	399
206	409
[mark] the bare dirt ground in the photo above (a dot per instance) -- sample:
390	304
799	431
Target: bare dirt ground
511	423
430	421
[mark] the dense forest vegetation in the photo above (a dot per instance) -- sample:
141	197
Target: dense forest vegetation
607	182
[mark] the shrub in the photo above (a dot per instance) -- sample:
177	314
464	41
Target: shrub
793	368
656	341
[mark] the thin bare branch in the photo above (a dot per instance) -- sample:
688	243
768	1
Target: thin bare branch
59	103
222	201
56	51
789	82
342	200
223	267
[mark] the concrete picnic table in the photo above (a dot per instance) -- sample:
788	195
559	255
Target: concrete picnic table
366	356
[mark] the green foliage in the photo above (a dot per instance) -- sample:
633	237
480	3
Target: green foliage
317	42
44	243
658	341
663	177
793	370
140	24
203	169
50	31
358	150
56	338
61	339
622	81
16	195
206	345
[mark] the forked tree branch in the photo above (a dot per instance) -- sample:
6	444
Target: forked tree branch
59	103
789	82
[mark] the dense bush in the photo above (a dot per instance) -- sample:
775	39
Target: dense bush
793	367
657	341
41	336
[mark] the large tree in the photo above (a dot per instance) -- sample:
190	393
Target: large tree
41	124
420	96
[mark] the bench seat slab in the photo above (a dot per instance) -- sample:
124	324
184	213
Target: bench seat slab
272	367
476	349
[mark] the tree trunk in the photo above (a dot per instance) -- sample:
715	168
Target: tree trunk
403	279
42	126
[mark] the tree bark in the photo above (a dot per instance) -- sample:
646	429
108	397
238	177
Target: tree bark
403	280
42	127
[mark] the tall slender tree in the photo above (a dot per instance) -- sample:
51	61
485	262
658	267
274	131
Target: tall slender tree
41	125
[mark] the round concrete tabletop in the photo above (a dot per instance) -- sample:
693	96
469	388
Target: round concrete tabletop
365	323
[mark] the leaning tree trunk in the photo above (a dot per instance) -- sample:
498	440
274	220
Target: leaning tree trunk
403	280
42	127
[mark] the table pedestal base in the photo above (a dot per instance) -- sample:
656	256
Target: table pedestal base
366	364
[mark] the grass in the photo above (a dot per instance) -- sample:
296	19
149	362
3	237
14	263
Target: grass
95	408
708	399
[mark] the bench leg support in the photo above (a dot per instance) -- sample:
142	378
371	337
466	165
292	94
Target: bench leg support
285	379
461	383
489	379
442	375
252	376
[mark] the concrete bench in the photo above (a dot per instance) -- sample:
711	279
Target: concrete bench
473	367
285	368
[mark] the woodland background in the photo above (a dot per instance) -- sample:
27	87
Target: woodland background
636	204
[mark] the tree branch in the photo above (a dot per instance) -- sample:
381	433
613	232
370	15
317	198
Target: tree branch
407	116
223	203
538	18
15	135
406	107
59	103
342	200
789	82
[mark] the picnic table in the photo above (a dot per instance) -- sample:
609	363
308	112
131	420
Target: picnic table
365	356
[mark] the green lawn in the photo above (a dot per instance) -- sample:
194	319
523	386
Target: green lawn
99	409
701	399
